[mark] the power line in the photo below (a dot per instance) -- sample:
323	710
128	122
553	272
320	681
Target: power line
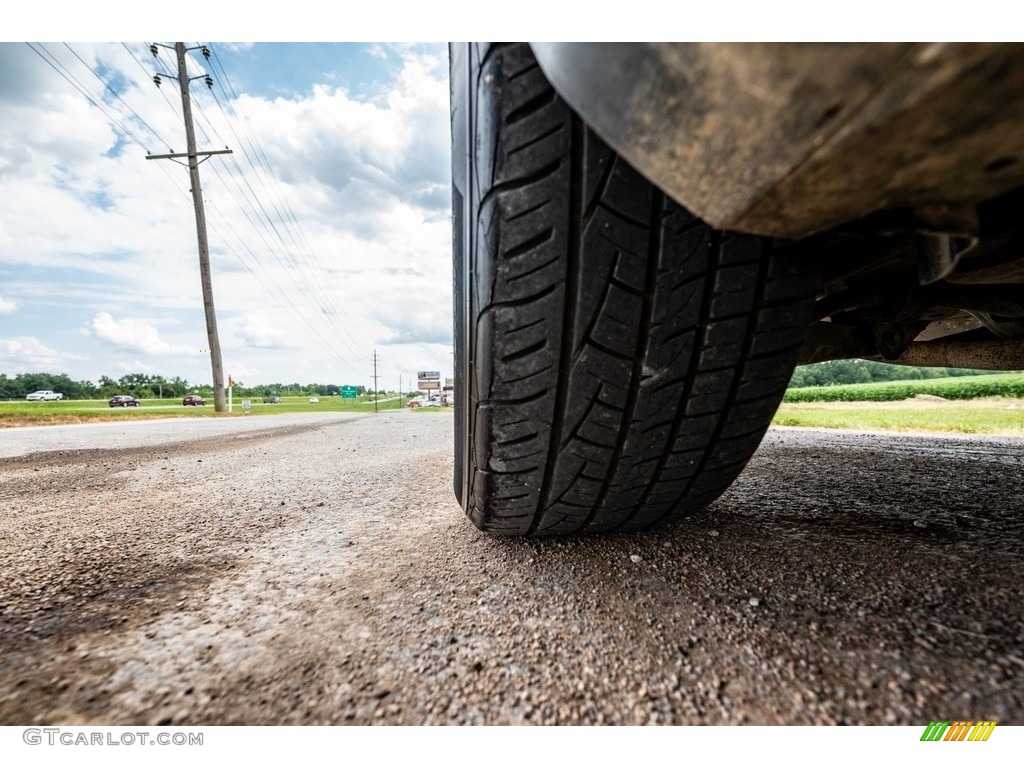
269	286
272	288
324	342
260	226
148	74
117	95
248	141
264	163
271	217
255	268
57	67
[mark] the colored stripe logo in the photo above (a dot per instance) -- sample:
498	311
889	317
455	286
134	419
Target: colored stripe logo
959	730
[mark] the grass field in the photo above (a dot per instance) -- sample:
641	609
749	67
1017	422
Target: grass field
925	412
987	416
953	388
24	414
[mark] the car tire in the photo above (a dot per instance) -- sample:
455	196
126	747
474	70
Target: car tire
617	360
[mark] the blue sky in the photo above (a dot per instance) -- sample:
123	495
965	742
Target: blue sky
329	225
289	70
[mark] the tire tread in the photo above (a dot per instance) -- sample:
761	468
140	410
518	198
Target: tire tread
628	357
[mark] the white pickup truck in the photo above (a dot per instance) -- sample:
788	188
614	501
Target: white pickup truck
44	394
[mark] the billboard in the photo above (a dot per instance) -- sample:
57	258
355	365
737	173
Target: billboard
432	375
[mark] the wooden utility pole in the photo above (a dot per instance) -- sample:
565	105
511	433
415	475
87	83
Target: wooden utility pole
213	338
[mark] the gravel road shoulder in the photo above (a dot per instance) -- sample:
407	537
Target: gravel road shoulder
322	573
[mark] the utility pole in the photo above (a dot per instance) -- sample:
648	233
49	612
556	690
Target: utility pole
375	381
183	79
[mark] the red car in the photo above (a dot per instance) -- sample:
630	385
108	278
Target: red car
193	400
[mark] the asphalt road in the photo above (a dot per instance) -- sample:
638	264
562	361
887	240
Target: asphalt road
18	441
314	568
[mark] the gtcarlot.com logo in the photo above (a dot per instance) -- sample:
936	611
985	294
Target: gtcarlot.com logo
76	738
959	730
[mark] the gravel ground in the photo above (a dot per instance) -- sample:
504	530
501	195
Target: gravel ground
319	571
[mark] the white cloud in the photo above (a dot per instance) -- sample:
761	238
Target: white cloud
255	332
7	306
364	155
27	353
236	46
240	370
133	335
136	367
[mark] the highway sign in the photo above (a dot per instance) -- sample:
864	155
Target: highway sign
348	391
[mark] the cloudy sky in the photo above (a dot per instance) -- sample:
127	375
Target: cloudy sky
329	226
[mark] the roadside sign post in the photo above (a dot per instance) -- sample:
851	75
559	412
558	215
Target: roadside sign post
429	381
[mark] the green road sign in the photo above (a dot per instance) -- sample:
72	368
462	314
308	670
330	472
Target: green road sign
348	391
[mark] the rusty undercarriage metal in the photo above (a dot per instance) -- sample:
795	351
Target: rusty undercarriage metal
827	341
793	139
995	355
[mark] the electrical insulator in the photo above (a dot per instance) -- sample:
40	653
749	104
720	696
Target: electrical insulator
206	52
153	49
209	82
156	79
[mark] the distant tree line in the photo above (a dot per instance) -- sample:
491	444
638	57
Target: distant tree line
144	385
138	384
864	371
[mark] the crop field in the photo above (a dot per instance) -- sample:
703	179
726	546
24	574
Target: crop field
1009	385
991	404
23	414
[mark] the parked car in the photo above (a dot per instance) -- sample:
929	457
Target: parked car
272	399
424	402
192	400
314	399
44	394
649	237
123	401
